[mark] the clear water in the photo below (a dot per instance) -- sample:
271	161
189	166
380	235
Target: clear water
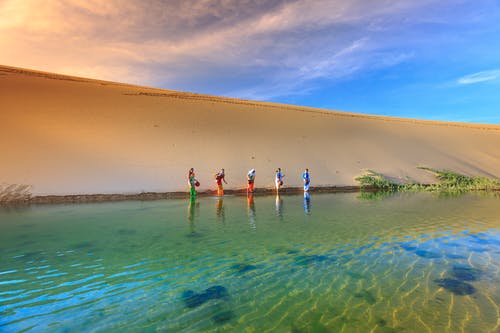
335	263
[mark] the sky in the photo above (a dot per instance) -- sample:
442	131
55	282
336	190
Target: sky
428	59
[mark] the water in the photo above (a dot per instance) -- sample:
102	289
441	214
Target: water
330	263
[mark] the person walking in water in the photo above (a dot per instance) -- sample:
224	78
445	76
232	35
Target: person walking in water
193	182
219	177
278	179
307	180
251	180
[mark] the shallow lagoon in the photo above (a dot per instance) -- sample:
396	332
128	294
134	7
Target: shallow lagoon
330	263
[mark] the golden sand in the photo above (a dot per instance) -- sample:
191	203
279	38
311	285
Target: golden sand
67	135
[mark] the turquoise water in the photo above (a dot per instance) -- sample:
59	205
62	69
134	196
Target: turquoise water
330	263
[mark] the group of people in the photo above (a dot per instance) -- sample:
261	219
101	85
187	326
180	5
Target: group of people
220	177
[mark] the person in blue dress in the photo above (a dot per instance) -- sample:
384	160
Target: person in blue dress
307	180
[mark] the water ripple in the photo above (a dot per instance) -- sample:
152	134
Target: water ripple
406	264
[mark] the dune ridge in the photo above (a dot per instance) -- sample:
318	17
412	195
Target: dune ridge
64	135
159	92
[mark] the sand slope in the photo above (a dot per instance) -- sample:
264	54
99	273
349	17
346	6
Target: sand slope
66	135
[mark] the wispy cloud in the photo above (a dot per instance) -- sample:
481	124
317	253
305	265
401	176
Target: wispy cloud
259	48
483	76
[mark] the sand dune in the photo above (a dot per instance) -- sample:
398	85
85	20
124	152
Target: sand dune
67	135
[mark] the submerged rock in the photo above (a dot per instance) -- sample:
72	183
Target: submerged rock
367	296
222	317
456	286
216	292
407	247
306	260
455	256
126	232
83	245
427	254
193	299
382	322
243	268
478	249
466	273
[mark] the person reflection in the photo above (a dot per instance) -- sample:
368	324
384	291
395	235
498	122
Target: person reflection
251	211
279	206
307	203
219	208
191	215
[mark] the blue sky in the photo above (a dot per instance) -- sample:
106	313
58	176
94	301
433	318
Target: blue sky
421	59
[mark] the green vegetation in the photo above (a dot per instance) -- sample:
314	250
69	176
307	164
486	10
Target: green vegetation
372	179
449	181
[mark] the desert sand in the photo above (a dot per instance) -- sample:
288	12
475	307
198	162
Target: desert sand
64	135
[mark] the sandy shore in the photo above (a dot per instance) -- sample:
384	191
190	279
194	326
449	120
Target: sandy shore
63	135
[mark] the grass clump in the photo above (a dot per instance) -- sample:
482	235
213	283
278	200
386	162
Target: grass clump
372	179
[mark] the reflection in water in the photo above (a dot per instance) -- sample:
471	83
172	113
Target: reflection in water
193	209
251	211
307	203
279	206
376	195
219	207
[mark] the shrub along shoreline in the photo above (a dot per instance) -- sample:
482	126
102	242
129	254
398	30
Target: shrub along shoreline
448	181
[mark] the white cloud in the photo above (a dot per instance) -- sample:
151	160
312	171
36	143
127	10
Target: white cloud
483	76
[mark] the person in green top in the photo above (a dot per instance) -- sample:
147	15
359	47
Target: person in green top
193	182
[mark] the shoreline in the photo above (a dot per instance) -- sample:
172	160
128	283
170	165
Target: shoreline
150	196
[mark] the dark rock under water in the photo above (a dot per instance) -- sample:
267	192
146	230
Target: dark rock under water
216	292
466	273
427	254
243	268
455	256
306	260
223	316
407	247
126	232
478	249
367	296
381	322
192	299
456	286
